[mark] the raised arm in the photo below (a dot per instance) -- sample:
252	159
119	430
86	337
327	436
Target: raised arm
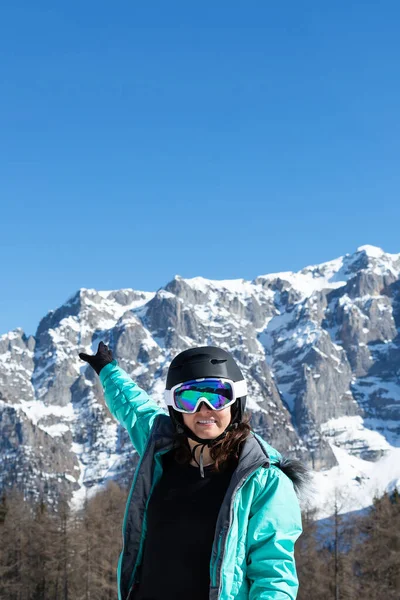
127	402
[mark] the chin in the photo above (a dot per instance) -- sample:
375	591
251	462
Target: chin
207	434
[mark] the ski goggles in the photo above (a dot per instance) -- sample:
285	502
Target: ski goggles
217	392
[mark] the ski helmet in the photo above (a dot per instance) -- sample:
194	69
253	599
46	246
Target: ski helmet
204	361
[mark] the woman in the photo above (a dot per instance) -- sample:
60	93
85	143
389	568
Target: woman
211	514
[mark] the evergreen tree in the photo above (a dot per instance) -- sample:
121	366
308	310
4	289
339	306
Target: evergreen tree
377	552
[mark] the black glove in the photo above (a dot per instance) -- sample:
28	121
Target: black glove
99	360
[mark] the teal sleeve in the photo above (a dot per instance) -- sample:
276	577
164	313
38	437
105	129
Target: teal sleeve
129	404
274	526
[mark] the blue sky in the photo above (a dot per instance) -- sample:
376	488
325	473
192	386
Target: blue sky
222	139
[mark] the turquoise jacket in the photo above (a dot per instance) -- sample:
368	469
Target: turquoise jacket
259	521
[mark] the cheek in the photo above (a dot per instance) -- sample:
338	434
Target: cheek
188	419
226	417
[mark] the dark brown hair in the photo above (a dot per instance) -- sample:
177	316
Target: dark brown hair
225	453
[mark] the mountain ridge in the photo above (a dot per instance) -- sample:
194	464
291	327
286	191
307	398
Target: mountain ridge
317	346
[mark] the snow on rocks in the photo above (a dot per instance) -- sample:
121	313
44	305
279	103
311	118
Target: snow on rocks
319	348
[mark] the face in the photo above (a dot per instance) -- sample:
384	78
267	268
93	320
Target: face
220	421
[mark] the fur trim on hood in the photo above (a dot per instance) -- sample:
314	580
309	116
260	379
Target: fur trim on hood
297	472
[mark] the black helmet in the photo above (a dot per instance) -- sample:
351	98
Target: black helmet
205	361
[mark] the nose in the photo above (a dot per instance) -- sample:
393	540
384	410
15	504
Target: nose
203	405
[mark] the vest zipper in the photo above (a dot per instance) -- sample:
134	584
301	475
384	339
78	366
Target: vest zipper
220	556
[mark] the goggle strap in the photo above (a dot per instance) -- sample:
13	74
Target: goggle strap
240	388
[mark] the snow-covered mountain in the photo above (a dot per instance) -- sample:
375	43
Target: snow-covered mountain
320	349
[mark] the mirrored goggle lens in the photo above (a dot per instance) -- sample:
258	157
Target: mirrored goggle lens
218	393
